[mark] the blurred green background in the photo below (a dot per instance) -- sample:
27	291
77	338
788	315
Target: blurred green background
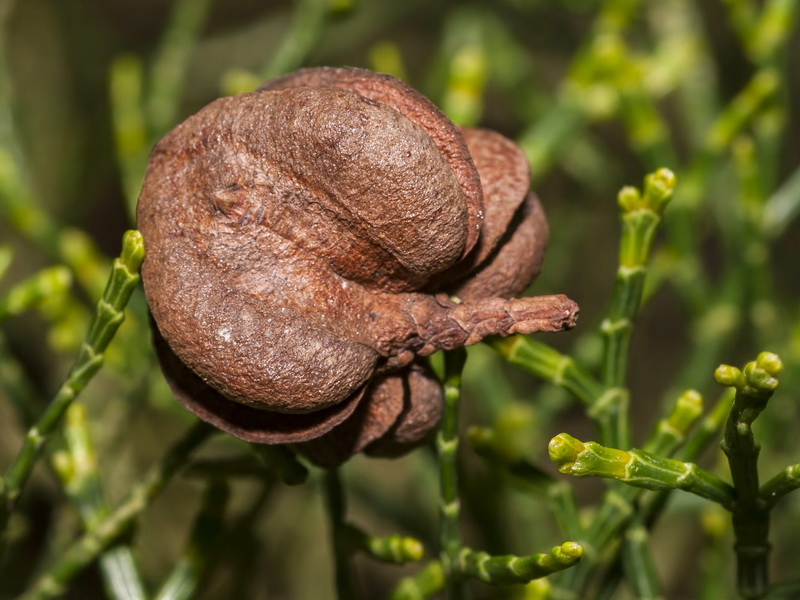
597	93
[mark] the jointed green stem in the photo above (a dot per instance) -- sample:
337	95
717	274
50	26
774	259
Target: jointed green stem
641	214
608	401
108	317
784	482
393	549
671	432
637	468
447	447
550	135
754	387
618	505
549	364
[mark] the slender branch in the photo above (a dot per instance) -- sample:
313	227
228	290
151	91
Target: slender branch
619	503
500	570
641	214
131	137
447	447
107	319
394	549
784	482
549	364
699	442
666	439
637	468
754	385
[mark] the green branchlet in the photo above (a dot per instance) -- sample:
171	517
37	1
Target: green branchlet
458	561
501	570
77	467
132	142
447	448
637	468
589	459
308	21
671	431
637	561
170	66
641	214
335	503
667	438
754	386
771	29
549	364
68	245
784	482
763	86
108	316
468	74
77	250
47	291
607	399
394	549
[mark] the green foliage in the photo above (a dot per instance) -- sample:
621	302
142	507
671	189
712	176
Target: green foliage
700	97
